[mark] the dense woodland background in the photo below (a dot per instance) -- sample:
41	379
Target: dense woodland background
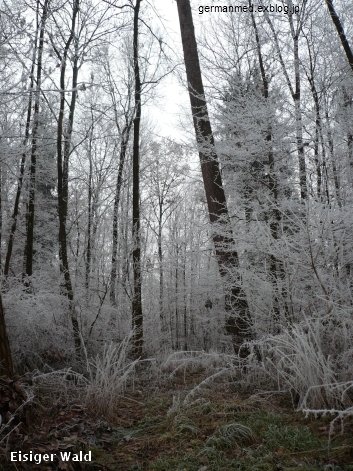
105	226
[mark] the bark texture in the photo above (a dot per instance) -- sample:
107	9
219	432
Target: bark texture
238	323
344	41
63	154
137	315
6	366
28	253
125	137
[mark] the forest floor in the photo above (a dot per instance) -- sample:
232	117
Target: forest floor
218	429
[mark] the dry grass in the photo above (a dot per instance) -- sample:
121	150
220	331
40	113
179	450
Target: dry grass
108	374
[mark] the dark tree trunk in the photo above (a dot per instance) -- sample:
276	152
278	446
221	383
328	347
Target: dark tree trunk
28	252
276	266
318	125
63	154
21	175
317	138
185	301
137	315
1	218
160	262
296	95
347	106
333	163
349	54
176	297
125	136
299	125
90	212
6	366
320	163
344	41
238	324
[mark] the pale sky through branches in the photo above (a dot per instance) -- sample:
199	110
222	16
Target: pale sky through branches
169	109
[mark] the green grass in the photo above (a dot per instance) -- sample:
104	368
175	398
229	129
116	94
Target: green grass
290	437
222	431
231	435
233	438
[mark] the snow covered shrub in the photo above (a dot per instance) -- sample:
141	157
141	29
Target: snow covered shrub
39	329
108	374
298	362
65	385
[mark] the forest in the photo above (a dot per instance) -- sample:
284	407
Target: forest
176	242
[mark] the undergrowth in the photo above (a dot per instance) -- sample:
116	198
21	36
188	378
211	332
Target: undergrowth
211	411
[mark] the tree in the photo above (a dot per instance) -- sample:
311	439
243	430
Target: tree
28	253
295	89
236	304
348	99
63	154
79	39
274	217
6	366
137	315
340	31
15	212
123	116
164	173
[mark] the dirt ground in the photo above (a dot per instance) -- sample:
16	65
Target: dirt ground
157	429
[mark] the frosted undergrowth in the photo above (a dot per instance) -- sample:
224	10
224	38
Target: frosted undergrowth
296	361
98	386
108	374
183	361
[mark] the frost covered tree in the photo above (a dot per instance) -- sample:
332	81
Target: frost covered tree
238	323
165	170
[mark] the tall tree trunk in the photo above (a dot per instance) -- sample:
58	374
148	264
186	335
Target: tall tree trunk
125	137
124	134
63	154
161	268
341	34
137	315
28	252
276	266
89	204
6	366
296	95
238	323
347	116
1	218
350	153
333	163
185	299
349	54
317	138
321	169
318	124
299	134
22	169
176	312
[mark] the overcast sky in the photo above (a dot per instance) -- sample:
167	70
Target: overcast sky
173	103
